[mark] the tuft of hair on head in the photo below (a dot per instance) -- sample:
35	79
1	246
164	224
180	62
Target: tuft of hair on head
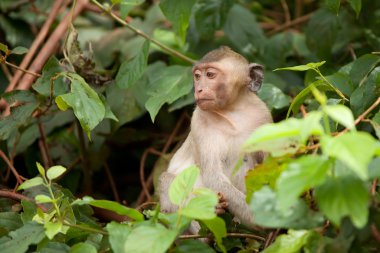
221	53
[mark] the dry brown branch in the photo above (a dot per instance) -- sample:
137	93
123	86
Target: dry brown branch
286	10
112	182
10	166
294	22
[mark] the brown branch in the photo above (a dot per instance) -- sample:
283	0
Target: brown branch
294	22
286	10
14	171
375	232
6	72
373	187
143	205
142	172
112	182
49	47
21	69
271	237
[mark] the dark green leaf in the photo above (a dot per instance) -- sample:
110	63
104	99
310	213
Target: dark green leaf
301	174
362	67
333	5
118	235
19	50
10	221
112	206
273	96
178	13
187	246
55	247
356	5
131	71
83	247
344	196
127	5
153	239
266	212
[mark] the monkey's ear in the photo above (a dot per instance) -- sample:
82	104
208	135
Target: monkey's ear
256	74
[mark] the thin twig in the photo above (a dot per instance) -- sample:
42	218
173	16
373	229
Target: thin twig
375	232
144	35
373	187
6	71
143	205
18	197
271	237
112	182
235	235
21	69
10	165
294	22
286	10
142	172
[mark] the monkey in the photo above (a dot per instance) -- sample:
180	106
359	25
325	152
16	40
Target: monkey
227	111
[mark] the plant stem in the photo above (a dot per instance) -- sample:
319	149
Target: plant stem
89	229
54	200
330	84
144	35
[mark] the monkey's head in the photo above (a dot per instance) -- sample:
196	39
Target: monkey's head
220	77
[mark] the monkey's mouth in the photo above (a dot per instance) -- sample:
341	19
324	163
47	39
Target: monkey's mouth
202	100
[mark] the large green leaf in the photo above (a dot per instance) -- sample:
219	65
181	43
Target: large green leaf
19	240
291	242
264	206
167	86
178	13
118	235
84	101
362	67
202	205
355	149
83	247
311	65
273	96
356	5
333	5
218	227
340	114
344	196
149	239
182	185
131	71
112	206
186	246
300	175
10	221
245	30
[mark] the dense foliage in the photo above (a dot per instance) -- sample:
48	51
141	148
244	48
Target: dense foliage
106	97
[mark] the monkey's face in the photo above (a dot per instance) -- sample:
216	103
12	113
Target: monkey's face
214	85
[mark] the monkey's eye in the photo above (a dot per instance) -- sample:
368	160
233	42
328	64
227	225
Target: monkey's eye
197	77
211	74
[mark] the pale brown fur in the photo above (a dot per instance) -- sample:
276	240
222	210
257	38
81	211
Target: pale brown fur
219	128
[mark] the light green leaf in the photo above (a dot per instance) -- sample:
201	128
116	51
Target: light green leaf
202	206
356	5
178	13
182	185
300	175
355	149
52	228
127	5
344	196
290	243
150	239
118	235
43	199
167	86
18	241
3	48
82	247
311	65
30	183
340	114
85	102
112	206
41	169
131	71
218	227
55	171
19	50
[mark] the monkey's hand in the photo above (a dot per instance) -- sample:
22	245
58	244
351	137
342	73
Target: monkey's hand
221	207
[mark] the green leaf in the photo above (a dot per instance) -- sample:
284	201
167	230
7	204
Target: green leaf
263	174
55	247
244	31
355	149
85	102
83	247
344	196
304	94
131	71
333	5
126	6
291	242
267	213
182	185
340	114
202	206
52	228
167	86
19	50
301	174
187	246
3	48
112	206
10	221
43	199
19	240
55	171
218	227
311	65
356	5
273	96
41	169
152	239
361	67
30	183
178	13
118	235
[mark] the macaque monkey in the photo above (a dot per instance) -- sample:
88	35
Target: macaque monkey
227	112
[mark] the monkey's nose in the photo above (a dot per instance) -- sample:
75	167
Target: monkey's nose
199	90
